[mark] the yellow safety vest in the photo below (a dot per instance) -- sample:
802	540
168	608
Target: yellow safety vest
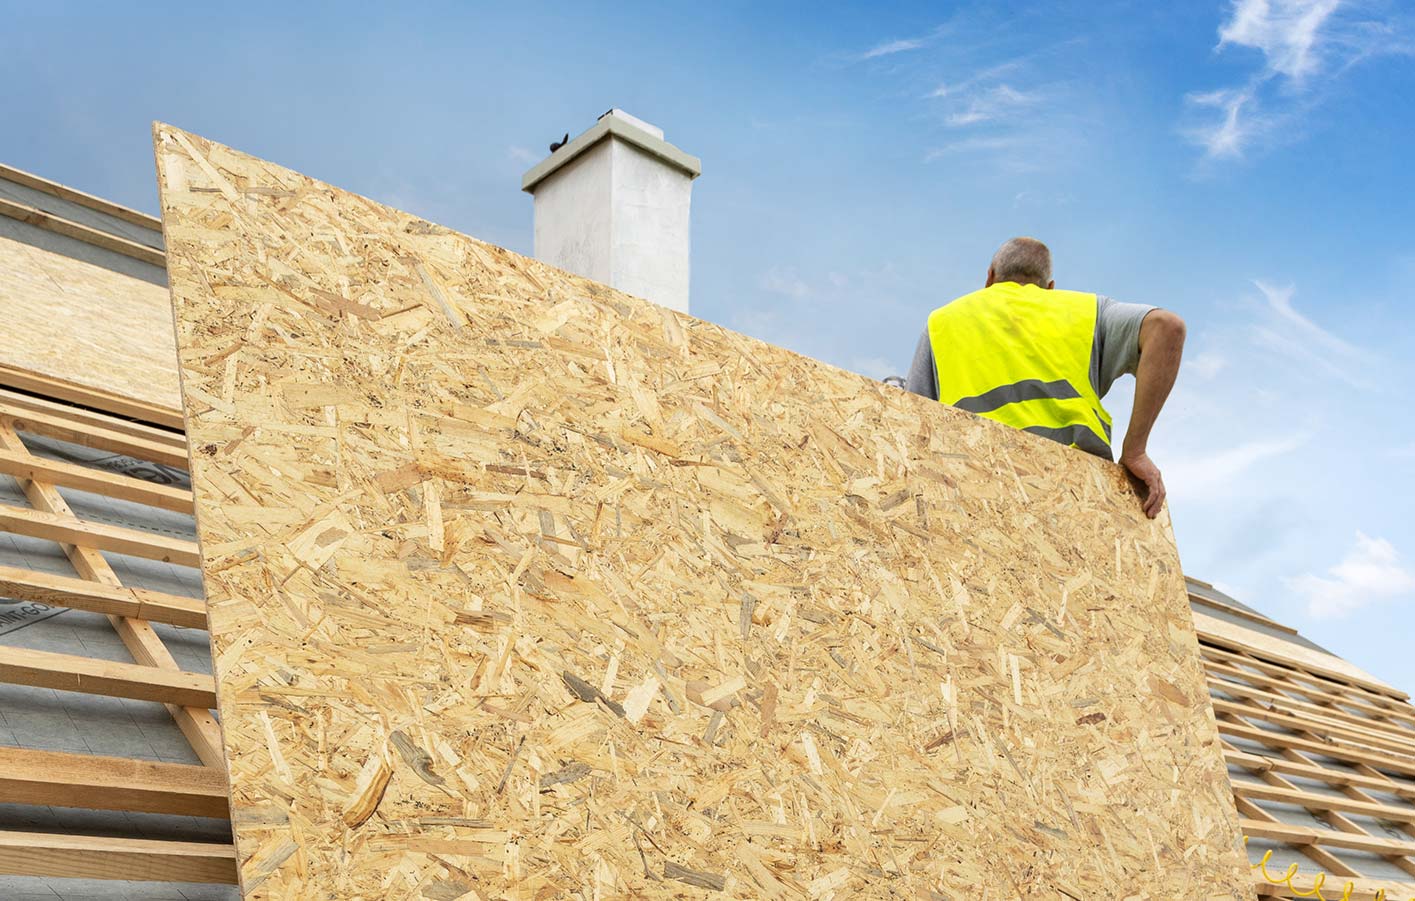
1021	355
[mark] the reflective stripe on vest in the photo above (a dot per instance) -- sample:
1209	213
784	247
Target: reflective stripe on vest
1021	355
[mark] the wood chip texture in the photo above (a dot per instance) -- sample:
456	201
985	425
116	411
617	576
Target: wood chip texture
527	588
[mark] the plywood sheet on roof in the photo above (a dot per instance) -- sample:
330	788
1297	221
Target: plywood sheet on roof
524	587
80	324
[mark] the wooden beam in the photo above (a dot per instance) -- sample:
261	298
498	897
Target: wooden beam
137	635
82	594
64	192
1331	732
1220	662
68	672
97	535
88	396
128	859
23	212
97	481
170	436
1401	739
1258	763
1338	752
1303	836
1313	802
58	779
1255	643
109	439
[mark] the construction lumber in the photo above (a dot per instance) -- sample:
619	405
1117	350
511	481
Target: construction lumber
64	192
80	324
126	859
68	529
137	635
89	396
97	481
1250	641
67	672
84	594
58	779
23	212
118	441
18	403
520	578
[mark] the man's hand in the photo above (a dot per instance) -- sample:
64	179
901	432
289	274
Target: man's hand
1145	472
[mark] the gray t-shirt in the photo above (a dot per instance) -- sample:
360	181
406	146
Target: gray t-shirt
1115	351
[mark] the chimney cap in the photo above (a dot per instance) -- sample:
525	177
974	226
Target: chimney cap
627	128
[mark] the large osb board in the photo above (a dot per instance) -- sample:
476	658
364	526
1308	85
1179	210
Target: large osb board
75	322
523	587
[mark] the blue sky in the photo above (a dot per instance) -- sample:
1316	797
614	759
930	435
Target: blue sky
1245	164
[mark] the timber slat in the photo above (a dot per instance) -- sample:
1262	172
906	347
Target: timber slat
59	779
68	672
1327	838
23	212
1258	763
128	859
1338	752
119	442
96	481
1315	801
99	536
83	594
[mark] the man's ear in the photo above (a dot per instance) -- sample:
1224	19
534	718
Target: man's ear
992	277
1051	284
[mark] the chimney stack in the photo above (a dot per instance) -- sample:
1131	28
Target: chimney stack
612	205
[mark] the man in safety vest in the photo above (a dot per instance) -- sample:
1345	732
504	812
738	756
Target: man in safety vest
1040	360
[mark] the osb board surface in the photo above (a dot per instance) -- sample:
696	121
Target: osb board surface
73	321
523	587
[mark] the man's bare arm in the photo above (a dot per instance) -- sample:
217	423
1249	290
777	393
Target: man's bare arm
1161	348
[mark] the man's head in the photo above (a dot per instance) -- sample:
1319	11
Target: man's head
1025	261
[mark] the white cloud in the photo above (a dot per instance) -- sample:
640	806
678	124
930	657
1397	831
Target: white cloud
975	145
991	104
1288	32
889	48
521	154
1207	365
1226	136
1201	476
1295	339
785	281
1371	572
1280	301
1305	45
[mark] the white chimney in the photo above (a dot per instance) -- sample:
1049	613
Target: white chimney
612	205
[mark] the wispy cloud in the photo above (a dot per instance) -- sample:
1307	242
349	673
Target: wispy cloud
1288	32
992	104
1296	340
1305	46
889	48
1207	364
783	280
1205	475
1371	572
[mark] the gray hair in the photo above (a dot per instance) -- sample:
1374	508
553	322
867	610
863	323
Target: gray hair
1025	261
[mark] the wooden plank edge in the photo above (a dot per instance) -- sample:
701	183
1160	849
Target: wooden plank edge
127	859
23	212
91	397
69	672
99	536
93	782
73	195
83	594
95	481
